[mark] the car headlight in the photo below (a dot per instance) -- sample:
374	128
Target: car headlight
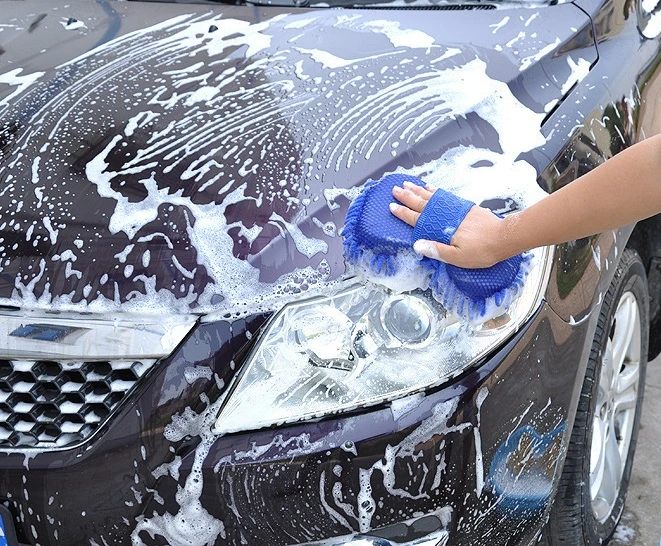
362	346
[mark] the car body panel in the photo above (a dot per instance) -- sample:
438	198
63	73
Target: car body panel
155	472
254	486
283	204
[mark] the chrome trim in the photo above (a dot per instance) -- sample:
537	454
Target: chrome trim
39	335
437	538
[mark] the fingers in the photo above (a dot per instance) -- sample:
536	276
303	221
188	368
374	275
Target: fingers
405	214
412	196
425	192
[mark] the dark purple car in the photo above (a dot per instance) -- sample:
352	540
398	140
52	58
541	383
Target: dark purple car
185	359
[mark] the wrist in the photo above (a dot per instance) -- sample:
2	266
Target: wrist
508	239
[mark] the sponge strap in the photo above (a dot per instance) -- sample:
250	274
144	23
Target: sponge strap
441	217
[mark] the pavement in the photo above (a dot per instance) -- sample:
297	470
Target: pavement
641	521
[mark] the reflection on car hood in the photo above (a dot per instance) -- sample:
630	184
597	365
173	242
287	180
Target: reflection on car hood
181	158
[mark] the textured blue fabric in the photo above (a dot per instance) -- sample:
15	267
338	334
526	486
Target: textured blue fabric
378	241
482	283
371	228
438	222
441	217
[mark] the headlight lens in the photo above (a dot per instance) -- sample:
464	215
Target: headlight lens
360	347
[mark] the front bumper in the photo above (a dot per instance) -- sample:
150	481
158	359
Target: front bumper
472	463
428	529
439	538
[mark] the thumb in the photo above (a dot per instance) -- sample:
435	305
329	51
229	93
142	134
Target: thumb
435	250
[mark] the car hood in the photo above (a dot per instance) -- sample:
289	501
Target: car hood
201	158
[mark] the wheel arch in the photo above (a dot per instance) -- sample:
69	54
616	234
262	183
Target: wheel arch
646	240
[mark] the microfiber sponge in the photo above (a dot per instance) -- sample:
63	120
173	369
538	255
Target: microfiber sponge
470	293
374	239
381	247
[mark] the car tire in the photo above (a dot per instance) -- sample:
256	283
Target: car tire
595	478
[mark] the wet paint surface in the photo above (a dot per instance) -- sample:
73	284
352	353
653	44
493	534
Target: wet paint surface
220	154
213	137
348	475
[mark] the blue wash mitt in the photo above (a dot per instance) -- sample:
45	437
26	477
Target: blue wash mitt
381	247
373	237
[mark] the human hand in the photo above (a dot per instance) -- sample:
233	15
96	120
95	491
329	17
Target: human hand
479	241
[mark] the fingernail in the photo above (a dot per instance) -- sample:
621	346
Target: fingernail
393	207
409	185
397	189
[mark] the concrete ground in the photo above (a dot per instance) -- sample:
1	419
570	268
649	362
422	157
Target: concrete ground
641	522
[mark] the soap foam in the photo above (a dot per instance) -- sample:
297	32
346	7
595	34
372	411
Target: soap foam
404	106
408	276
192	525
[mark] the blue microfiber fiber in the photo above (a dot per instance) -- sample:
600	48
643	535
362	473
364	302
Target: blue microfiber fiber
381	246
373	238
468	292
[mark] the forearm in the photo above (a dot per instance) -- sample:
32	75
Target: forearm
625	189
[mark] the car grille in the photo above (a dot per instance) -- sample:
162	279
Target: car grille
46	404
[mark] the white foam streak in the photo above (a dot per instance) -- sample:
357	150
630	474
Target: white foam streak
527	61
496	27
579	69
21	83
192	525
299	23
407	449
330	61
305	245
479	462
401	37
649	5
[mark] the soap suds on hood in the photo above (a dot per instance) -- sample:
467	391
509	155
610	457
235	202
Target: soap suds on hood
197	143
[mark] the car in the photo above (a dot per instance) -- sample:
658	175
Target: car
186	357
